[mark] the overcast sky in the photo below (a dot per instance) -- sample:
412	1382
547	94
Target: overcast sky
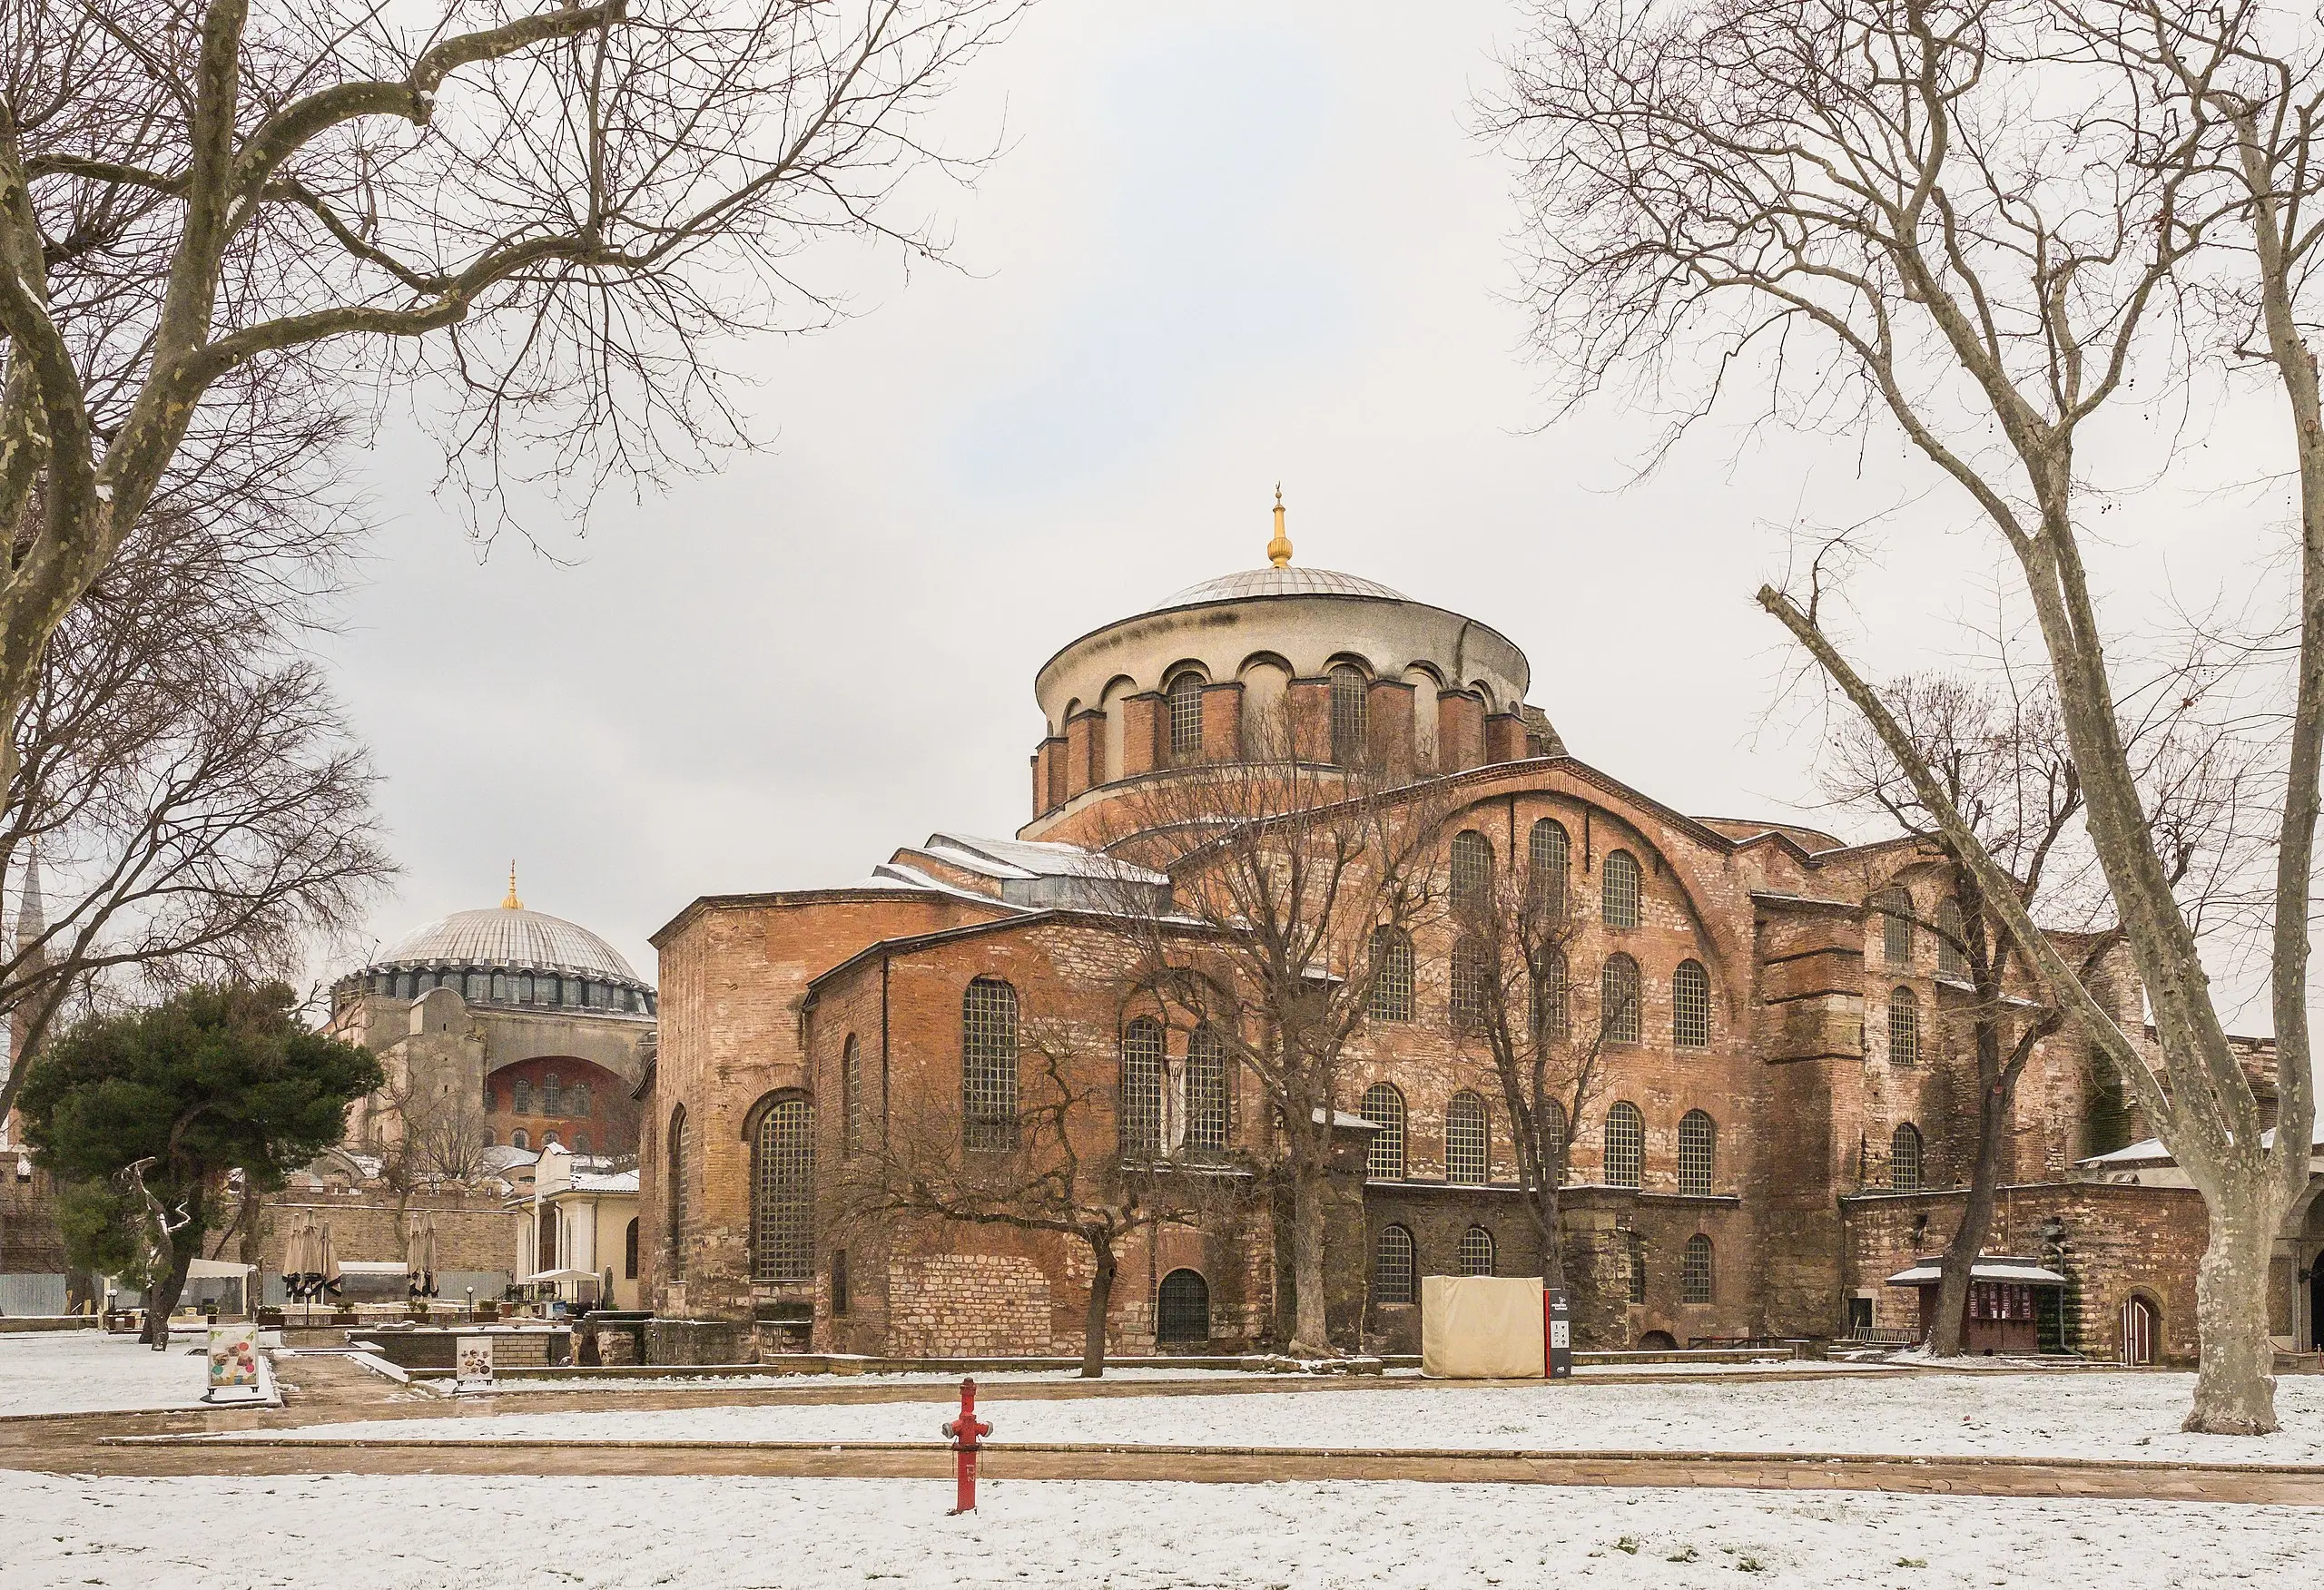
1227	245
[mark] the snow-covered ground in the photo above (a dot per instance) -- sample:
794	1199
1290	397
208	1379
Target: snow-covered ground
87	1372
2082	1414
422	1532
518	1381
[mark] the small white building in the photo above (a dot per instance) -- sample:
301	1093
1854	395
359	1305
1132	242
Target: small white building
582	1221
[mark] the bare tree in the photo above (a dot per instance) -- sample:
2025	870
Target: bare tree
424	1140
1069	1168
1285	872
1917	217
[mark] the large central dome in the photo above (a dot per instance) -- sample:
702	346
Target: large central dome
513	937
1282	581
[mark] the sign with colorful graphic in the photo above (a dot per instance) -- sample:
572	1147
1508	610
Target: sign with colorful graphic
472	1363
235	1375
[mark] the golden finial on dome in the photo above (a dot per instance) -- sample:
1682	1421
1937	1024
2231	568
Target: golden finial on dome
512	903
1279	549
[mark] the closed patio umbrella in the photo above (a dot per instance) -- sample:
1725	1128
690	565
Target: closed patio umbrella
420	1257
327	1271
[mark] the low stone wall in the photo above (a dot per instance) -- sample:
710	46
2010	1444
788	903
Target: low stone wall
696	1341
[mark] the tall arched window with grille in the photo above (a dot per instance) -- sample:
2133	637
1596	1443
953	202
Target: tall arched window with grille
1555	1139
675	1194
1182	1308
1619	890
1185	698
988	1065
1905	1158
850	1097
520	1097
1383	1106
1206	1098
1698	1152
1391	975
1619	998
1951	934
1392	1266
1351	715
1142	1065
1476	1254
1625	1145
1549	997
1896	907
783	1192
1469	984
1472	870
1904	1027
1691	1006
1695	1276
1548	856
1468	1140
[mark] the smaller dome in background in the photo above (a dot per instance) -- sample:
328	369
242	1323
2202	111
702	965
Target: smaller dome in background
510	937
1282	582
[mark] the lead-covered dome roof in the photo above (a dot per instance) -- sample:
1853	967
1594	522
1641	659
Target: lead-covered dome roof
513	937
1282	582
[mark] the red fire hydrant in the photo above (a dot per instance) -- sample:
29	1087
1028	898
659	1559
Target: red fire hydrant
965	1431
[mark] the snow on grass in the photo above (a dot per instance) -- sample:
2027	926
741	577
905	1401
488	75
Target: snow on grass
88	1371
423	1532
2082	1414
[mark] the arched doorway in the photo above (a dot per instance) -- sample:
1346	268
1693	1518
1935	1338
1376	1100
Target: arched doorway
1182	1309
2141	1330
1658	1341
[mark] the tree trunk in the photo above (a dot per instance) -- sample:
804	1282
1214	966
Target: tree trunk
1101	1297
1310	1198
161	1297
1993	1111
2235	1389
1545	1219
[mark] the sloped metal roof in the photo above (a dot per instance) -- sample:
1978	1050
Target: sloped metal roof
509	937
1294	581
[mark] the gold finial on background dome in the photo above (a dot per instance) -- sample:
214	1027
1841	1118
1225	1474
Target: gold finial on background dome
512	903
1279	549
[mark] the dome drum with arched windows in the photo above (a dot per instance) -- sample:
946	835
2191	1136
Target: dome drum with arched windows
508	956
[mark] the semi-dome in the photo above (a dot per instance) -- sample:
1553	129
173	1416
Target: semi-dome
512	937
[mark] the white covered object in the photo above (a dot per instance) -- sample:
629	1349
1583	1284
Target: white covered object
1481	1327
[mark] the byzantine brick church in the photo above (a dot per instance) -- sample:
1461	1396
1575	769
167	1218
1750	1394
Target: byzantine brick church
1785	1119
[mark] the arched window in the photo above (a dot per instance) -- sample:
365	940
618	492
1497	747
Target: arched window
490	1138
552	1096
1472	870
1618	887
1470	982
520	1097
524	988
850	1097
674	1171
783	1193
1182	1308
1476	1252
1468	1140
1548	853
544	1239
1905	1158
499	987
1391	1266
839	1283
1904	1027
1142	1062
1555	1139
548	1138
1695	1271
1617	1000
629	1250
520	1138
988	1064
1635	1247
1895	909
1691	1006
1625	1145
577	1101
1549	998
1351	715
1206	1109
1698	1152
1185	697
1391	975
403	986
1951	933
1383	1106
477	985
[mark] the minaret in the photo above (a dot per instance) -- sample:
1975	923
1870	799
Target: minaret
1279	549
32	922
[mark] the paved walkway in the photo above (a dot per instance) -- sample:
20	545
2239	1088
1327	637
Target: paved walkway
328	1390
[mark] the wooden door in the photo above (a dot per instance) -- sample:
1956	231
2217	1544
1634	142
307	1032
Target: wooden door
2138	1331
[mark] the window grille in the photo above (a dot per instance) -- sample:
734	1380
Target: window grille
1904	1027
1555	1139
1471	869
1950	930
1468	1141
1391	1266
1470	981
1691	1006
1351	715
1476	1252
1897	928
521	1101
1142	1060
1619	890
520	1138
1638	1266
782	1185
850	1097
839	1283
525	988
677	1194
1698	1152
1694	1271
551	1100
1182	1308
988	1064
1548	852
1904	1159
1617	1000
1206	1112
577	1101
1625	1146
474	989
500	987
1391	975
1549	998
1186	717
1383	1106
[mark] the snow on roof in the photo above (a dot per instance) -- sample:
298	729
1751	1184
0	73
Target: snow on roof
2149	1151
1028	859
614	1182
1929	1272
1343	1118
